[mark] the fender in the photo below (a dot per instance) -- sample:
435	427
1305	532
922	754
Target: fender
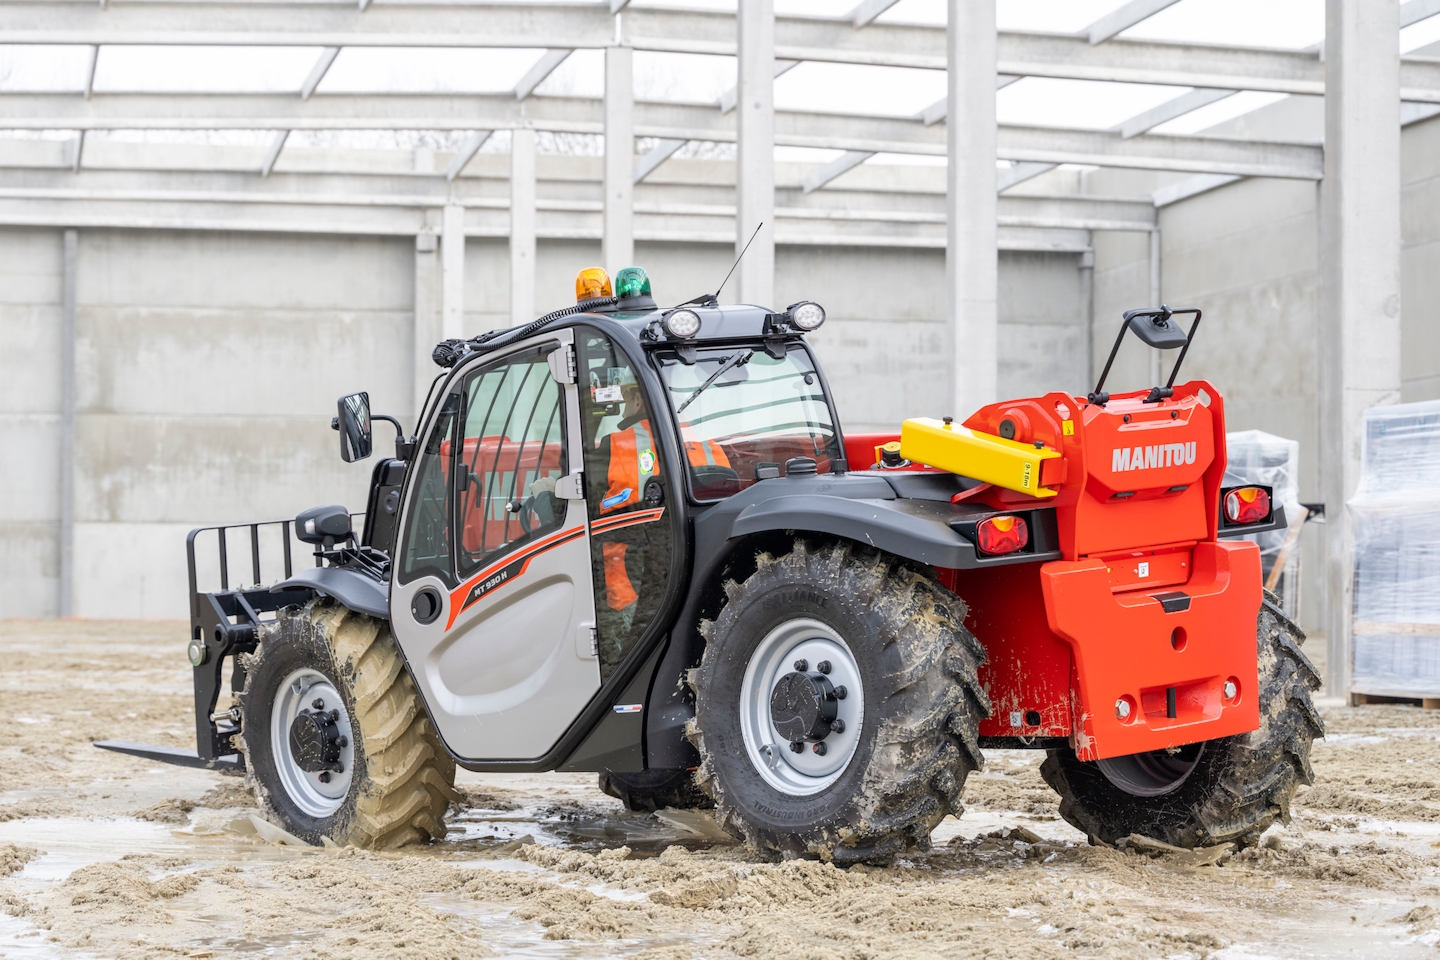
917	530
355	590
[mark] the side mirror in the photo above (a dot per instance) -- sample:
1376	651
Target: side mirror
354	426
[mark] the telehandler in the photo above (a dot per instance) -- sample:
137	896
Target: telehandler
636	541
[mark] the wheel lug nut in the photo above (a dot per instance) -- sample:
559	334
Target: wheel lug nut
334	715
343	742
840	693
819	749
1122	708
325	777
802	665
823	666
319	704
338	768
796	746
837	726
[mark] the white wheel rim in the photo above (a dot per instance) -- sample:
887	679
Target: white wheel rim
298	691
805	773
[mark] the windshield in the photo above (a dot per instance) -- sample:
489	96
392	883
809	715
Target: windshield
751	419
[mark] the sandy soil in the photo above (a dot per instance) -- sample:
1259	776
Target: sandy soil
103	855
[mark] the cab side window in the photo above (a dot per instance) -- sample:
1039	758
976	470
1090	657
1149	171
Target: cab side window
426	549
511	450
630	537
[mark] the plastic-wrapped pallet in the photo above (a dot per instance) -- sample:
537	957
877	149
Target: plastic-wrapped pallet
1396	510
1259	457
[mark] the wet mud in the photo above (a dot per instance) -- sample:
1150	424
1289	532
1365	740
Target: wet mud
103	855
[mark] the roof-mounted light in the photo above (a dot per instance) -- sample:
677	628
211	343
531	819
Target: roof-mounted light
632	282
806	316
592	283
682	324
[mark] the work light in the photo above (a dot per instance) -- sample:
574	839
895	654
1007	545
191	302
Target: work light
806	315
682	324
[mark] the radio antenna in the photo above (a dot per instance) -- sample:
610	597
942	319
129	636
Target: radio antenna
715	298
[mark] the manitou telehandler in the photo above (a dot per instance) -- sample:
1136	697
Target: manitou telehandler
635	541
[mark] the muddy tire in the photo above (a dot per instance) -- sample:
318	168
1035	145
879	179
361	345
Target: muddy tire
651	790
897	641
1235	788
334	679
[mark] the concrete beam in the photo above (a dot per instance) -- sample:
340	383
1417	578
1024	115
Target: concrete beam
317	72
522	227
1416	10
452	269
727	99
934	113
273	152
1124	17
1170	110
673	121
429	327
75	149
658	154
1190	187
68	390
90	71
847	161
971	264
1359	330
755	154
536	75
617	248
1018	173
466	153
868	10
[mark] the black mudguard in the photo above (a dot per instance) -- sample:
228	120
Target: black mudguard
357	591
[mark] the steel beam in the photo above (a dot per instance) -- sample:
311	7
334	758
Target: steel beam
755	124
1359	330
536	75
971	264
1124	18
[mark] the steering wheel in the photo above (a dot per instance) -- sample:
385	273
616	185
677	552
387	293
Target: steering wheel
542	505
708	473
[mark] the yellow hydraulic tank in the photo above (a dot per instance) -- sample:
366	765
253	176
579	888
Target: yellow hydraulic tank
949	446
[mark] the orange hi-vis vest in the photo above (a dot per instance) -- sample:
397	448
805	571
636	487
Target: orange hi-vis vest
703	452
633	460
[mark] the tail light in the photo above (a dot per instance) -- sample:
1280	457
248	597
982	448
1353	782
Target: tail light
1247	505
999	535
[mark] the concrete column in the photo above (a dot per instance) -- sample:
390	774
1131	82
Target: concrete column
429	327
522	226
1359	346
452	255
1087	307
618	239
971	264
67	430
1157	356
755	166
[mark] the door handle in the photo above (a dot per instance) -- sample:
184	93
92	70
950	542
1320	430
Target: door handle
571	487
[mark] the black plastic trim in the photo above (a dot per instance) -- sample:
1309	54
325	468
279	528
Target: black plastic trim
1173	602
355	590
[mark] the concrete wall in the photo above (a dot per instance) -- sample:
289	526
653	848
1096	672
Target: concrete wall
1420	260
208	364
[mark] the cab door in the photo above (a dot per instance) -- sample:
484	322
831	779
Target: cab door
491	597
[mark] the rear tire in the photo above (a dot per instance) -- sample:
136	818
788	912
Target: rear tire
899	768
398	779
1233	790
650	790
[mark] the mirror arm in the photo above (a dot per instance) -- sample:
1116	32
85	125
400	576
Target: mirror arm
404	449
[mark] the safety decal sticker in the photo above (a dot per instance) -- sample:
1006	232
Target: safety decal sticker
626	520
628	707
647	462
616	500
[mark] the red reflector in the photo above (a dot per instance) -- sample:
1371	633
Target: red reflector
1002	535
1247	505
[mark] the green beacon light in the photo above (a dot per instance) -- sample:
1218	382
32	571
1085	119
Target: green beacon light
632	282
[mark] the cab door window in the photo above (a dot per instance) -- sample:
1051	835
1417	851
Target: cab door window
426	548
512	449
630	536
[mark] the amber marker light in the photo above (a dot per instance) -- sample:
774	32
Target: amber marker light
592	283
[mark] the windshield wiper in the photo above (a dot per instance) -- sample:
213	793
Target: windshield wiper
734	360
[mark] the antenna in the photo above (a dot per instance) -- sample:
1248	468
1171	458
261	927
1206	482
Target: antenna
716	295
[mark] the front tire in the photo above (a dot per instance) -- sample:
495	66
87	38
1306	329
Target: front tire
647	791
1219	791
908	733
337	742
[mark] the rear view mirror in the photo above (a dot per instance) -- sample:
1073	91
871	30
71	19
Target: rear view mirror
354	426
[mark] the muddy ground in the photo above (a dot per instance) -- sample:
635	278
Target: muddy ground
103	855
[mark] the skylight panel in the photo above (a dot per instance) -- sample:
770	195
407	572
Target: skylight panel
853	88
176	69
427	70
43	67
1086	104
